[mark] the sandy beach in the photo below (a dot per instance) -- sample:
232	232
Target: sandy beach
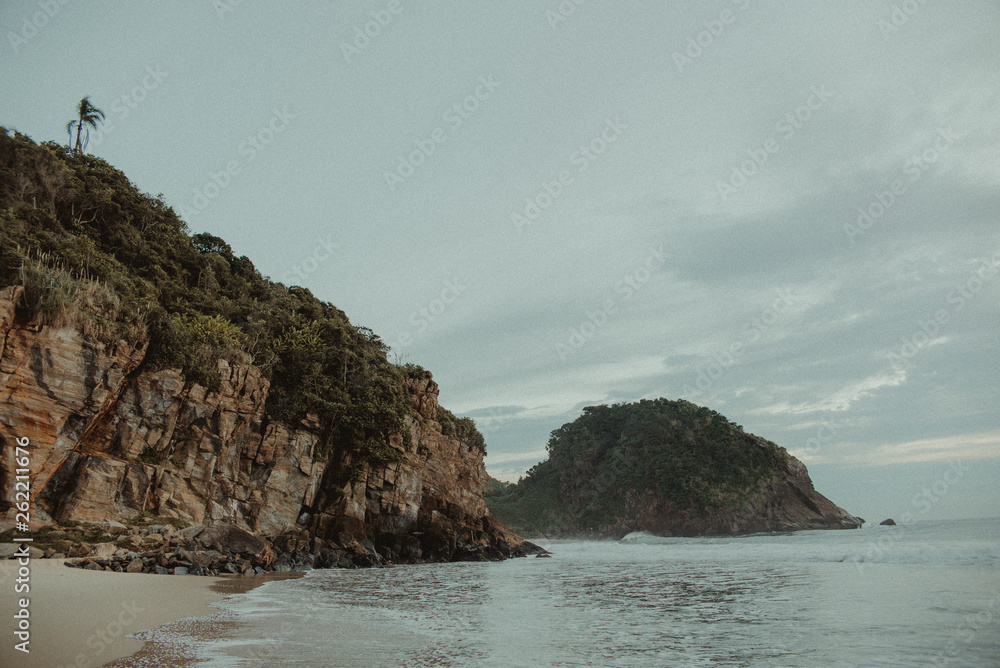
83	618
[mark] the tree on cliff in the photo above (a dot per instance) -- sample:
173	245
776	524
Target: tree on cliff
88	117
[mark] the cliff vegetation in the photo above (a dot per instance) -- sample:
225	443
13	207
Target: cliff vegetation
669	467
94	253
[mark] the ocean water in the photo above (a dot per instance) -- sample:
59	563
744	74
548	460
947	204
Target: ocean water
926	594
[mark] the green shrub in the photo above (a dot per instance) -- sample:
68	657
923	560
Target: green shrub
464	428
95	253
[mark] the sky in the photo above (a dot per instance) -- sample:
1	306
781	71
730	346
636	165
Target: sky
787	212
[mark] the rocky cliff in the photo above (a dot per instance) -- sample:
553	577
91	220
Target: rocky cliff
110	441
786	502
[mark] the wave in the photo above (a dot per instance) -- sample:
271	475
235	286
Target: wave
886	545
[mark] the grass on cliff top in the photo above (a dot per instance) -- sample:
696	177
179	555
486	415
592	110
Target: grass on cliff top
93	252
611	458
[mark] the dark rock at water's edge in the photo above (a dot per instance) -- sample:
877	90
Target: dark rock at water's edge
670	468
887	523
537	550
226	549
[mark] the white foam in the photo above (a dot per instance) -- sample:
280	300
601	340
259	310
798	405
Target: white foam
914	544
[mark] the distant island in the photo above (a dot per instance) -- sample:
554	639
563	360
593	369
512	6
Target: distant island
671	468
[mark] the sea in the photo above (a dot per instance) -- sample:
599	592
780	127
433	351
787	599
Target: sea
924	594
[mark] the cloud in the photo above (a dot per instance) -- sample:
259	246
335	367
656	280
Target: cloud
841	399
962	447
508	457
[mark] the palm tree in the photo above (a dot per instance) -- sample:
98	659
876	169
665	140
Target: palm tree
89	115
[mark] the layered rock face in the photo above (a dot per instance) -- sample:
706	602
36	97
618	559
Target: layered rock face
110	442
788	502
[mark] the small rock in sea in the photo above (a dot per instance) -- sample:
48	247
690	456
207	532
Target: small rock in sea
887	523
543	556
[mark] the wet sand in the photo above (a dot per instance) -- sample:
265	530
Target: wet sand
83	618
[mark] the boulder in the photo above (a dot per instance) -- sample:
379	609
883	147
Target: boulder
191	532
134	566
114	528
81	550
153	540
887	523
231	539
265	557
102	550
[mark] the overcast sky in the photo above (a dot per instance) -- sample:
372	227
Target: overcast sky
785	211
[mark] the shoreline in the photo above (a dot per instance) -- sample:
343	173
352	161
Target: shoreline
83	618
